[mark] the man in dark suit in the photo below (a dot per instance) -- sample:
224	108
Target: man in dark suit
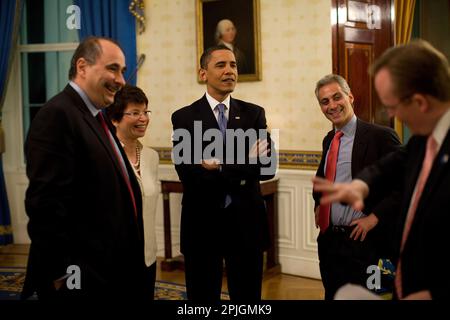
223	213
413	82
349	241
83	200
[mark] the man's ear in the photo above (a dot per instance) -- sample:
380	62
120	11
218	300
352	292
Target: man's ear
81	67
421	101
202	74
351	98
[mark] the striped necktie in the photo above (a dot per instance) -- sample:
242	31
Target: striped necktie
222	121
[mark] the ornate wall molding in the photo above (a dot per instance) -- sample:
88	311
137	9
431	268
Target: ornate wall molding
288	159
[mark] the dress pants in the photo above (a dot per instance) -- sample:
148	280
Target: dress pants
344	260
150	278
204	268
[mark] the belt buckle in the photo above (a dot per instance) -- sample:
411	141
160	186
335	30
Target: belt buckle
338	229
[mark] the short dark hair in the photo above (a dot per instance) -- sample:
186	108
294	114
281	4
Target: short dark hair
206	56
128	94
89	49
416	67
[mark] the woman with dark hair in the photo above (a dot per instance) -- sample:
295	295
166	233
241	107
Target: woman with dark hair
130	115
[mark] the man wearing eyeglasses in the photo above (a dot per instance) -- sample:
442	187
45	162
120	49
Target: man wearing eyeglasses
413	80
349	240
83	199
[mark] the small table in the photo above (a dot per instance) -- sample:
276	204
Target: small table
269	191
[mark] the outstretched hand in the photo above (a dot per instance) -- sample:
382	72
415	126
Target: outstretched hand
352	193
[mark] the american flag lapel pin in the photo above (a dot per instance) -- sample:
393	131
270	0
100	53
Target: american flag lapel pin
444	159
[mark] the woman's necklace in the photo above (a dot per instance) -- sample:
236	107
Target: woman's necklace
137	164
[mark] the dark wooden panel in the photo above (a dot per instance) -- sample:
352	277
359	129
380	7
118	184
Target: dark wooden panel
359	58
361	30
359	35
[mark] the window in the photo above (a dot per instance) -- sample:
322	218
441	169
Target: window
46	47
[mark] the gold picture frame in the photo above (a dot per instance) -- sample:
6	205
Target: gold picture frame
246	42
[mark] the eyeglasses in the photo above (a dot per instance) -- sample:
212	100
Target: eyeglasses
403	101
138	114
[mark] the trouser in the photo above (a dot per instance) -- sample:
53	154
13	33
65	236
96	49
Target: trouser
344	260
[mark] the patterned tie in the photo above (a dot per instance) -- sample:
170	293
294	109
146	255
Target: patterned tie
430	154
102	121
330	174
222	121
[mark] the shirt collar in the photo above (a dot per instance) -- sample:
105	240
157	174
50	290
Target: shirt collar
213	102
350	128
85	99
441	129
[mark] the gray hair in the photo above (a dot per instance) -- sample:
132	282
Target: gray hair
332	78
219	29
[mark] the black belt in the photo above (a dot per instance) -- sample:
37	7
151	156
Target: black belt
342	229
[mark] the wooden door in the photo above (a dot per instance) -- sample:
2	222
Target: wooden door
362	30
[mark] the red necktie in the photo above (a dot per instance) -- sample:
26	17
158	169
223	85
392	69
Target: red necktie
430	154
119	159
330	174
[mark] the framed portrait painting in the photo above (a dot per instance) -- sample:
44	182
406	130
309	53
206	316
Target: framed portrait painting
235	24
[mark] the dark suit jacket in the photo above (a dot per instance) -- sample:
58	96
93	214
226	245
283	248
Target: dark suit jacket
424	262
371	143
78	203
205	191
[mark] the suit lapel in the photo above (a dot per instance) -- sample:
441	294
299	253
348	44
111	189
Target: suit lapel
93	124
359	146
104	140
325	146
440	164
234	116
204	113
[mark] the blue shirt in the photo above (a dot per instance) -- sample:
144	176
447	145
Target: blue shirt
85	99
342	215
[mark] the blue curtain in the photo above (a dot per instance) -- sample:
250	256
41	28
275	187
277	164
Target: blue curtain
9	19
112	19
